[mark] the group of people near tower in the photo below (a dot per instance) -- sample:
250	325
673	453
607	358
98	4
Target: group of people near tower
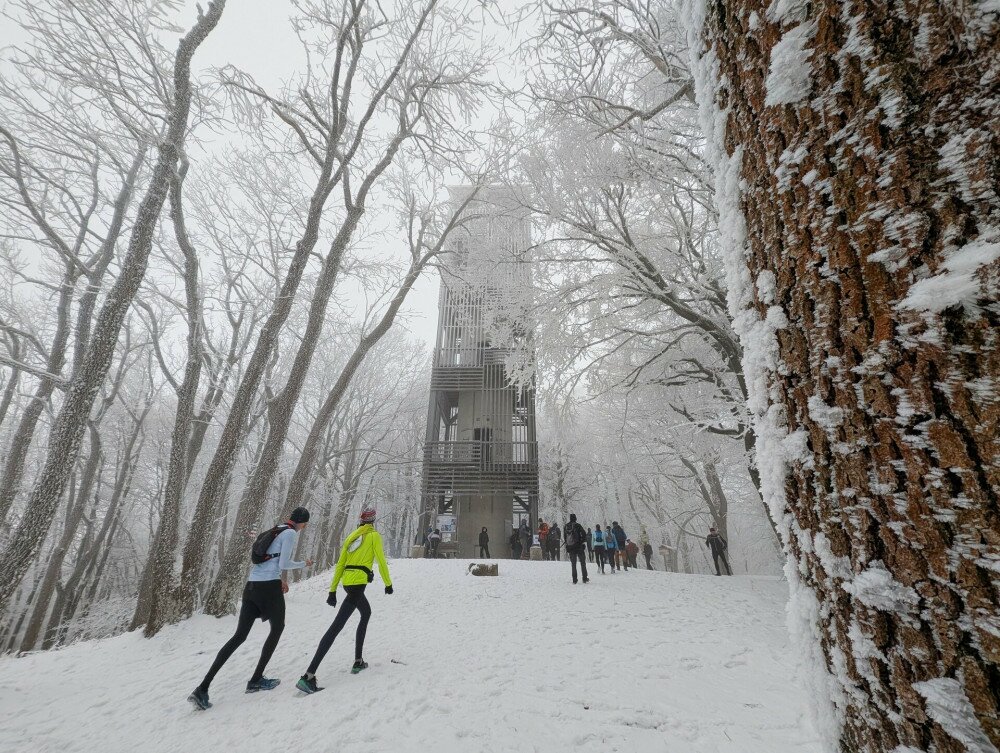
264	599
607	547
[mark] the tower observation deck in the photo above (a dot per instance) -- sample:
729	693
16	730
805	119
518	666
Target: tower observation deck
480	461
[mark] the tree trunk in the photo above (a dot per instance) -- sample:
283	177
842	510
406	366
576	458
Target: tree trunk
76	504
67	430
155	585
857	155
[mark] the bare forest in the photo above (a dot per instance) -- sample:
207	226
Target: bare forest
764	284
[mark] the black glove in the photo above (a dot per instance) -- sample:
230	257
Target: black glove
331	598
388	589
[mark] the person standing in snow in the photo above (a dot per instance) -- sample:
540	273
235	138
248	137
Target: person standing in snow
590	545
611	548
647	552
434	539
264	598
631	554
620	539
576	541
554	540
525	534
543	533
354	568
718	545
515	545
427	541
484	543
599	550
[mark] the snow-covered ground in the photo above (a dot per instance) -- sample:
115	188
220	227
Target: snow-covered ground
632	662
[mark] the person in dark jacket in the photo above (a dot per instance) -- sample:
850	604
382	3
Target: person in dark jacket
576	542
484	543
515	546
590	545
554	541
524	533
435	540
647	552
620	538
718	545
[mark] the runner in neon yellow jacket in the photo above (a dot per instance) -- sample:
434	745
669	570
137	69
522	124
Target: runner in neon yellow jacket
354	569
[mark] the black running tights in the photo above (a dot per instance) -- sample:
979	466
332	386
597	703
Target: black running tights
248	613
355	599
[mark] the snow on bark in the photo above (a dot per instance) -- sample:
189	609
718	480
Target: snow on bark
68	427
859	224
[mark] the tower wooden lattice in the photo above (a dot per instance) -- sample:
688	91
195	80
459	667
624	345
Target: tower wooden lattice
481	452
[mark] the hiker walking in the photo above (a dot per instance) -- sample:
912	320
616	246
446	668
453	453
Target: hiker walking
264	598
354	568
611	549
590	545
543	533
599	550
576	539
620	539
718	545
484	543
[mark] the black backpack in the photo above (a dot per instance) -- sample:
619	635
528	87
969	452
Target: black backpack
573	535
258	552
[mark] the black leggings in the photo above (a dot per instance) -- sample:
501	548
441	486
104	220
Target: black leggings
261	599
355	599
599	556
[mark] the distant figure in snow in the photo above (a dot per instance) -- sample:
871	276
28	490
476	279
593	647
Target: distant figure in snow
264	598
631	554
543	533
620	538
590	545
484	543
515	545
554	540
427	541
576	540
718	545
600	553
434	538
611	547
647	552
361	549
525	533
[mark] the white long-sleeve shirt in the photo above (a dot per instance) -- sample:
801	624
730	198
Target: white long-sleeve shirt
283	545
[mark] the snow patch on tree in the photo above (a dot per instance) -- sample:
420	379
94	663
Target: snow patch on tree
877	589
947	704
958	283
789	77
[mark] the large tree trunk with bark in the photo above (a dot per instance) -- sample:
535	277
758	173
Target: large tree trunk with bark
67	430
857	149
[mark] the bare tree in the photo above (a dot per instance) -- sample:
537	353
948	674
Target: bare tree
67	431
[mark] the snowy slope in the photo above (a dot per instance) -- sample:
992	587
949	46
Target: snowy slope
636	662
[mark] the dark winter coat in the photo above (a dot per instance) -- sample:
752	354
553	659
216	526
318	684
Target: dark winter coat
552	540
581	537
716	543
484	538
620	537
